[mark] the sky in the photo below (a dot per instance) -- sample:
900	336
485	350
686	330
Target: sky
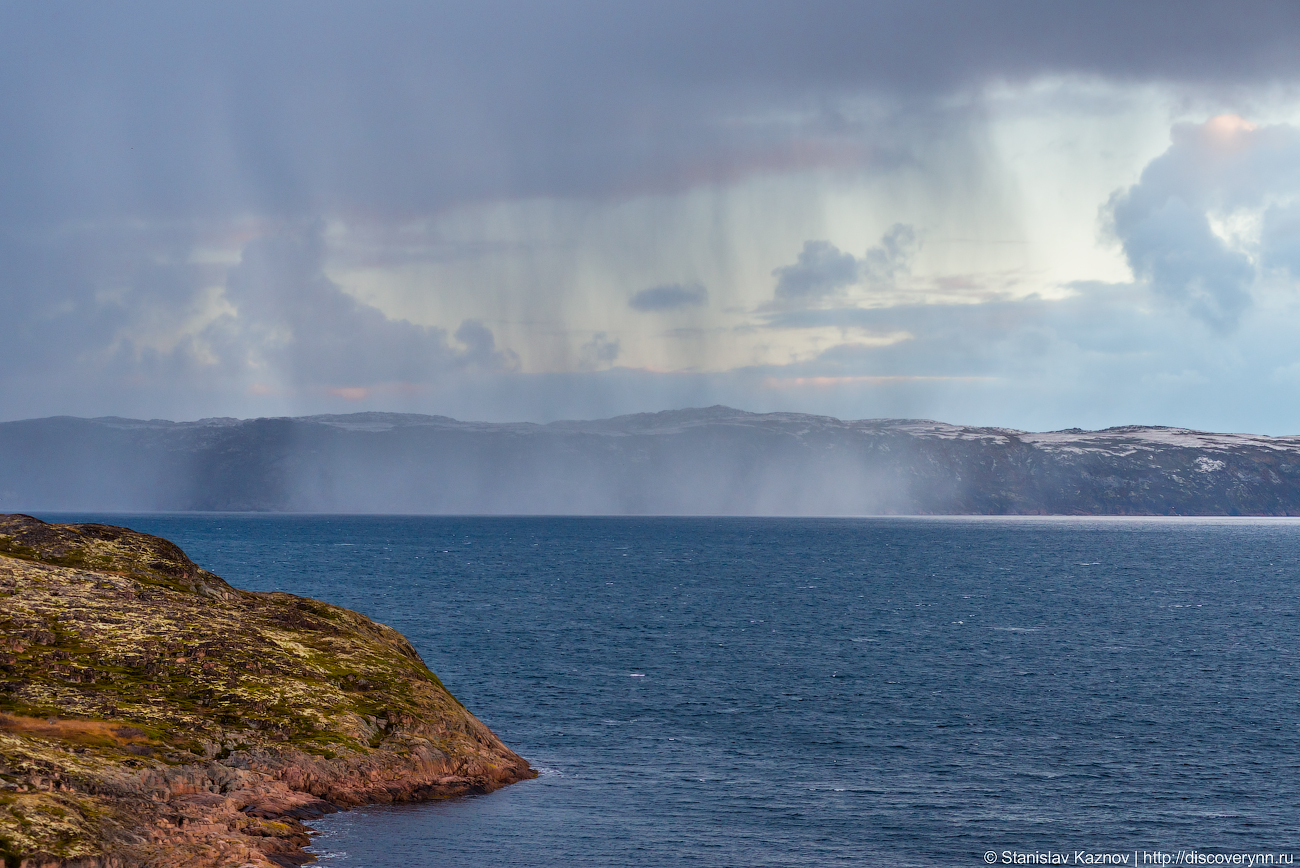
1019	214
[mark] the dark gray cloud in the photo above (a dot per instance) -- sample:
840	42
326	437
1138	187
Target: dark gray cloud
823	270
670	296
301	108
481	349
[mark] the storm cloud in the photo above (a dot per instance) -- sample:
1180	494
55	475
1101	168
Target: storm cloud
295	108
987	213
669	296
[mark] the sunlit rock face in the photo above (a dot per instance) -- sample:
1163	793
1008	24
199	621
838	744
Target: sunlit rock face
703	462
151	714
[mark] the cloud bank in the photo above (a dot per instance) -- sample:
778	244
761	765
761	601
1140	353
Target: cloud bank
1000	214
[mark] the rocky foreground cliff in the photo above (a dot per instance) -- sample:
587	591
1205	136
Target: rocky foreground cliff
698	462
152	715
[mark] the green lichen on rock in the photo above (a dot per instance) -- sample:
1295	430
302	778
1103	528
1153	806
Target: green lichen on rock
151	714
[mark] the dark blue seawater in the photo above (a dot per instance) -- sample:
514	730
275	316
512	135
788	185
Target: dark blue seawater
711	692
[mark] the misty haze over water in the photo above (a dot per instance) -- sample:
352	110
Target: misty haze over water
713	461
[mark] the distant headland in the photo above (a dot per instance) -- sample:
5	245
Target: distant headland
711	461
151	714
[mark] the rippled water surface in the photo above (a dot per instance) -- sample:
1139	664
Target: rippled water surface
819	692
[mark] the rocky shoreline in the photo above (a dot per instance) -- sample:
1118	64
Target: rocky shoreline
152	715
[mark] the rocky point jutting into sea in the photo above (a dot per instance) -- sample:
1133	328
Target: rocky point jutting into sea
153	715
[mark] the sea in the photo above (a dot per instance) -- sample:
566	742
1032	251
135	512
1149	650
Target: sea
822	692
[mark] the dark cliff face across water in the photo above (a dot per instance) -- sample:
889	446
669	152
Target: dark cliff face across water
900	692
714	461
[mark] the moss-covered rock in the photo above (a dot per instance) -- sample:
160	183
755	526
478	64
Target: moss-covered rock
151	714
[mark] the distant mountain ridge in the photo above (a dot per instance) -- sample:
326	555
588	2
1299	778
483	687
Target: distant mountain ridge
708	461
